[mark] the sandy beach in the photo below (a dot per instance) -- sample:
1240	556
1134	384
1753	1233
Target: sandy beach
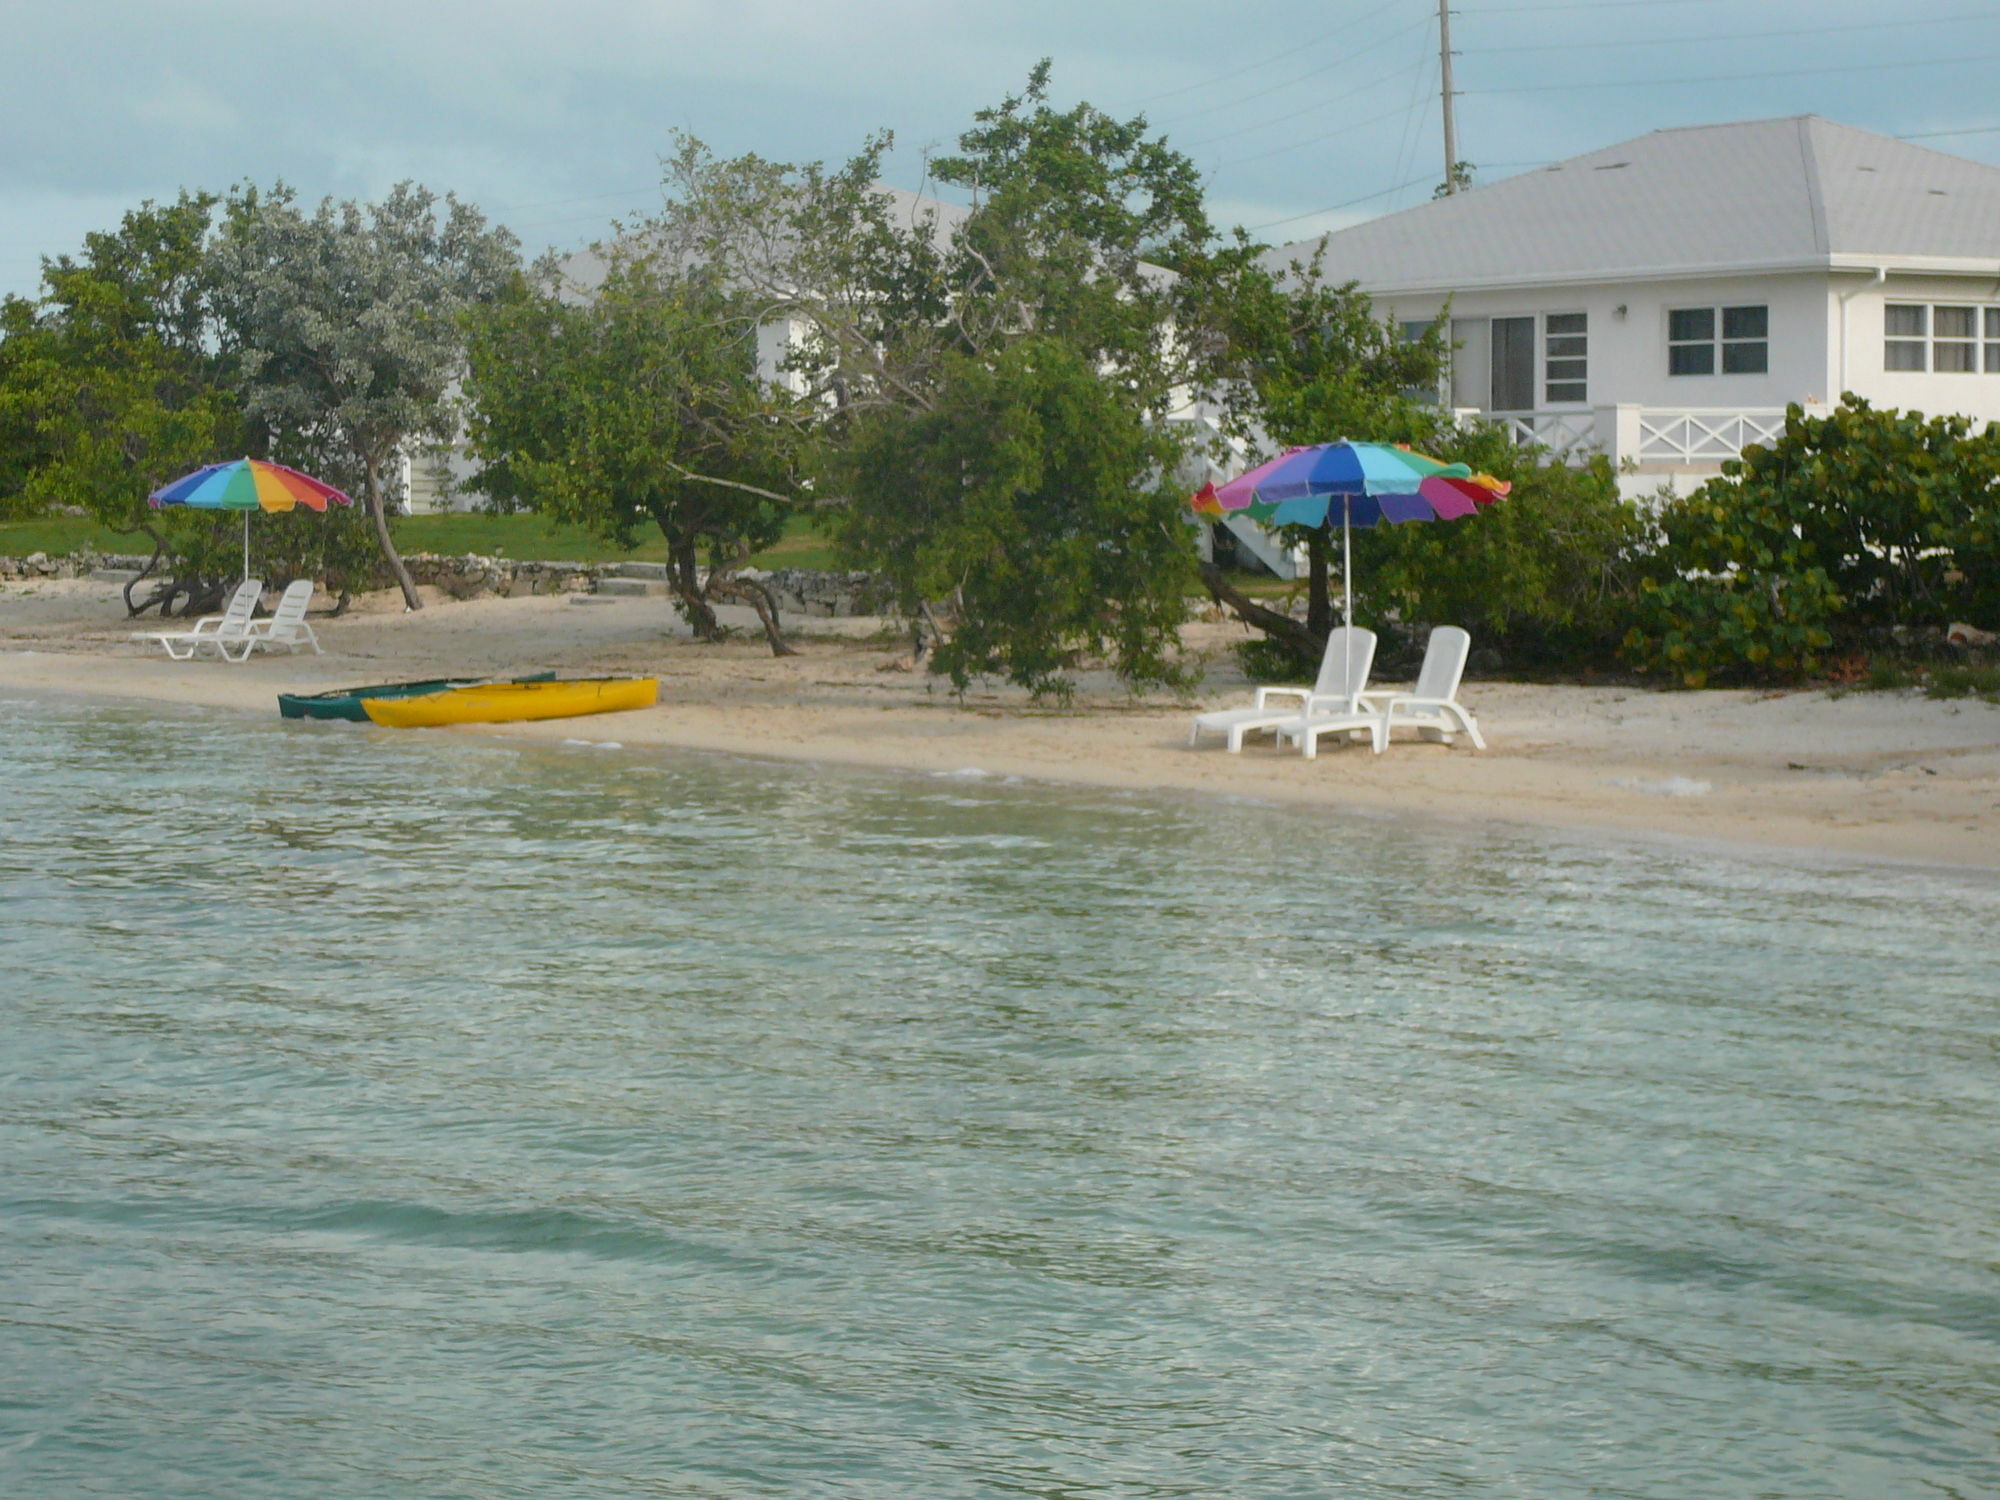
1869	775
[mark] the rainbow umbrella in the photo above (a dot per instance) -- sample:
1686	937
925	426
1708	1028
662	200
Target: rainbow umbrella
1370	482
247	484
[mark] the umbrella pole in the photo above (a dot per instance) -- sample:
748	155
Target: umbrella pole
246	546
1347	582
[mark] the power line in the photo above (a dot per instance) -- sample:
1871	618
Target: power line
1314	140
1931	135
1733	36
1633	83
1340	62
1291	51
1228	135
1337	207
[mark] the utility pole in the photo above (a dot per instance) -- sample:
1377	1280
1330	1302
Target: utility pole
1450	126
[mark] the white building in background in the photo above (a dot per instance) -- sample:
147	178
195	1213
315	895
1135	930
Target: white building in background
1662	300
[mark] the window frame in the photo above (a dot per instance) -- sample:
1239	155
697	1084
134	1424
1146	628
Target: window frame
1973	347
1580	358
1718	344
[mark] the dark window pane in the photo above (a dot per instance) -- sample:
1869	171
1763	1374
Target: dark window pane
1688	324
1993	359
1746	359
1903	356
1571	390
1691	359
1568	322
1746	322
1567	369
1907	322
1993	322
1955	322
1568	347
1954	359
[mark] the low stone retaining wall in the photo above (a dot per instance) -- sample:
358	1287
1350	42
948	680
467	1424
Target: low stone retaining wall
800	591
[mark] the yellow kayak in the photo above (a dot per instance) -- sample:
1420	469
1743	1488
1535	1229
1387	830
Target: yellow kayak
499	702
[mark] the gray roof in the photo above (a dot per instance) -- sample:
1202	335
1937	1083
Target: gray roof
1757	195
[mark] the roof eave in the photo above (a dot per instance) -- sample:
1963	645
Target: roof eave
1942	265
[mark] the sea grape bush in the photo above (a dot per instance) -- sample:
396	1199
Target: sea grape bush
1847	525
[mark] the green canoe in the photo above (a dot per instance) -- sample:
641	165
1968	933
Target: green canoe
345	703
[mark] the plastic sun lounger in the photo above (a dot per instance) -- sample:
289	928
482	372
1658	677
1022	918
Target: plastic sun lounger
287	626
233	624
1432	708
1343	675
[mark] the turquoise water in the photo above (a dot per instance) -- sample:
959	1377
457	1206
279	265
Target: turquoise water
407	1116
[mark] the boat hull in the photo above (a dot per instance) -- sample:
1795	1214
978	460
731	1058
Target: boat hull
506	702
345	703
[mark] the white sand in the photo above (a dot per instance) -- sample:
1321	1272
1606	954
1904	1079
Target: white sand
1870	774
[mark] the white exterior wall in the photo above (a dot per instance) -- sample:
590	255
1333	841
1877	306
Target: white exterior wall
1976	394
1628	339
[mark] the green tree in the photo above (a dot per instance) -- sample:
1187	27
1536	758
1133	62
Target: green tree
112	384
1019	497
906	324
346	322
1290	359
638	404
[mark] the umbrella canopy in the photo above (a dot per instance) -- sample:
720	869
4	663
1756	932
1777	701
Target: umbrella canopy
1362	484
246	484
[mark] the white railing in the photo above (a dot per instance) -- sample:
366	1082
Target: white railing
1566	434
1654	437
1703	435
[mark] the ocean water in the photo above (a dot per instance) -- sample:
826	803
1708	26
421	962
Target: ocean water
389	1116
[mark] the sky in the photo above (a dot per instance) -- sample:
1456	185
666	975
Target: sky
1305	114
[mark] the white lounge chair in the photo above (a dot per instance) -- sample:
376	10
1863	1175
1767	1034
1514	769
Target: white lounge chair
232	625
287	626
1432	708
1343	675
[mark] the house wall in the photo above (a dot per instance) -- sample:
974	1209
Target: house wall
1976	393
1628	339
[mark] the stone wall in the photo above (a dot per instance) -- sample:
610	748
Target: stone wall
800	591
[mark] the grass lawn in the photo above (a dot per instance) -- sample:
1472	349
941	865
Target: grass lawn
532	538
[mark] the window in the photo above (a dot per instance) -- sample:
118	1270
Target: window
1565	357
1743	346
1411	331
1946	338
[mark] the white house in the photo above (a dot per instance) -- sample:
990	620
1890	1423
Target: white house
1662	300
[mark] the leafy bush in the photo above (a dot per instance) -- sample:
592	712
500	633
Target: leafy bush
1849	524
1549	574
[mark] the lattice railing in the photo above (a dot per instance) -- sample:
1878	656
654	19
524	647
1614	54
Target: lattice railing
1703	436
1566	434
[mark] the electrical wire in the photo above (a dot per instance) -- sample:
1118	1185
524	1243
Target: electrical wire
1228	135
1291	51
1337	207
1734	36
1636	83
1339	62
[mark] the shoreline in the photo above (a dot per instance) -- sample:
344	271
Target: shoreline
1874	777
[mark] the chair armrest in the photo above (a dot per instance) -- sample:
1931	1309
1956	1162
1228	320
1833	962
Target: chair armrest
1266	694
1411	700
1324	705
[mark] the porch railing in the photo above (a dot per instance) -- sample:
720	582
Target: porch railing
1651	437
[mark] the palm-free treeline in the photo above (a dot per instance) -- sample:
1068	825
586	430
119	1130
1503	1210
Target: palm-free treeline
1000	406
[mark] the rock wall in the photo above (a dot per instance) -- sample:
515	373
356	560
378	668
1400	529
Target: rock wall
800	591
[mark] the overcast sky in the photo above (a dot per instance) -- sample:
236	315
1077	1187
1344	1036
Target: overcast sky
1306	113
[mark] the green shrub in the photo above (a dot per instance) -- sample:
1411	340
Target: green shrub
1847	525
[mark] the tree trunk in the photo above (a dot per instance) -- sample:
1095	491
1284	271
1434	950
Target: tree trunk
159	551
761	599
1319	598
686	570
1279	626
380	515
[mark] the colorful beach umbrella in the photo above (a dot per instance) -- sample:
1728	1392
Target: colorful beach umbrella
1360	484
247	484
